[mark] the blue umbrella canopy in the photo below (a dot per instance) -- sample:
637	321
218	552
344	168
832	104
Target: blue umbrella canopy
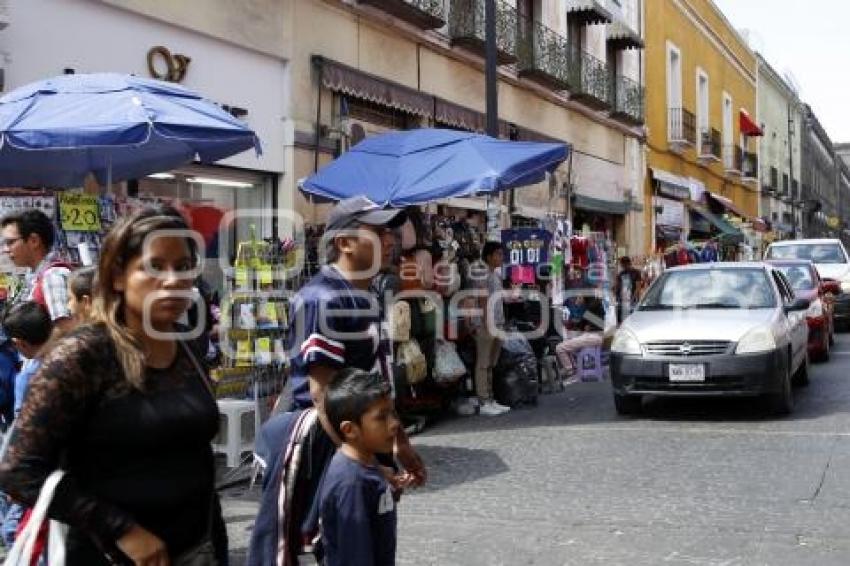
418	166
55	132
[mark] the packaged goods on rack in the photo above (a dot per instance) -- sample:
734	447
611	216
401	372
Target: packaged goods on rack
254	323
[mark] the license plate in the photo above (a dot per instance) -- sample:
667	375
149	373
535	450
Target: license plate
687	373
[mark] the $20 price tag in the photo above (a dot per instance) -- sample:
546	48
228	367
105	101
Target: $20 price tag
79	212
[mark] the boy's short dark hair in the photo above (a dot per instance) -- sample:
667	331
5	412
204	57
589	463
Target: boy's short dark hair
350	395
489	249
81	281
31	221
28	321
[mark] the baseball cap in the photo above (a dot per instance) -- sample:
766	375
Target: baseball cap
351	212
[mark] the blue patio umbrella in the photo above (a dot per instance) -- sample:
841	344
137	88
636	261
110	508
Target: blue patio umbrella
55	132
418	166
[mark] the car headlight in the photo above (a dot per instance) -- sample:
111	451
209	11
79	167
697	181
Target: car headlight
845	285
756	340
625	342
815	309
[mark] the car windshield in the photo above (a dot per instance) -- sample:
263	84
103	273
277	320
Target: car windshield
800	276
818	253
737	288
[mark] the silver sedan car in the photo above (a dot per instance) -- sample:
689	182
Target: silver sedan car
725	329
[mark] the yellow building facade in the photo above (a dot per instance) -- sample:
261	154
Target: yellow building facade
701	140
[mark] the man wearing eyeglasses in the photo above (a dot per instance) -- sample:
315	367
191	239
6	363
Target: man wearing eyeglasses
27	238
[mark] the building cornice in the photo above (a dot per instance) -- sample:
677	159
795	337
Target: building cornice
440	44
693	14
770	73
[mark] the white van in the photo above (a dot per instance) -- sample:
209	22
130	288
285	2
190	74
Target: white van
828	255
830	259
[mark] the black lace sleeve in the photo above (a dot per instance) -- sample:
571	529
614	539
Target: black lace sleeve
72	378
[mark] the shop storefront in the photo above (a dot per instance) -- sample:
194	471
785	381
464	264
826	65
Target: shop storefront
217	69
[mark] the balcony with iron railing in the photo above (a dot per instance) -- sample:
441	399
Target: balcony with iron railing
543	55
733	159
629	96
425	14
710	146
749	165
590	81
467	30
681	128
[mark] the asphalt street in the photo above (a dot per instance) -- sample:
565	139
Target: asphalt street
692	482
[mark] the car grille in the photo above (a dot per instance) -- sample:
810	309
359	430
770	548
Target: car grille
687	348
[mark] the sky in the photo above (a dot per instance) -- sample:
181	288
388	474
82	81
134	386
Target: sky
807	39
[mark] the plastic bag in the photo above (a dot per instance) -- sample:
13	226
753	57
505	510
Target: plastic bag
448	367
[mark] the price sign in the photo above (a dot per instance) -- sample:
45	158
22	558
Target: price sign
79	212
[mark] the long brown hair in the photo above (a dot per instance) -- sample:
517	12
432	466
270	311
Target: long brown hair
125	242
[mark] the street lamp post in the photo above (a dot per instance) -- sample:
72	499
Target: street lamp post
791	174
490	81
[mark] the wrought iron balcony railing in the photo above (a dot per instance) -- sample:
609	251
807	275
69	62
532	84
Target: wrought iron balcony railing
629	99
733	159
681	126
466	28
425	14
710	147
543	55
590	80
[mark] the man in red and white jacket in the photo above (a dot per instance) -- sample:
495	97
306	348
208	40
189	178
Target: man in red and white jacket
27	237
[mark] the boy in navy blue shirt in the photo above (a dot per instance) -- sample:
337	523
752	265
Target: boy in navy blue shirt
357	508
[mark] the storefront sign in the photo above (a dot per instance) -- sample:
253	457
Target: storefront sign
165	66
79	212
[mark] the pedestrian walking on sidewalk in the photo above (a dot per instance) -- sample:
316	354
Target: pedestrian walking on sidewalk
357	506
334	325
27	238
626	288
488	277
80	291
124	407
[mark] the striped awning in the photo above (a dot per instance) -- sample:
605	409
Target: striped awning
353	82
671	185
588	12
622	36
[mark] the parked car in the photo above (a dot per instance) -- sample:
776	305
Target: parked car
832	262
807	284
720	329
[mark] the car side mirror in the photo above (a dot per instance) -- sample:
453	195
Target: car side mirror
798	305
831	286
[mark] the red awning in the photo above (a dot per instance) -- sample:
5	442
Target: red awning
748	127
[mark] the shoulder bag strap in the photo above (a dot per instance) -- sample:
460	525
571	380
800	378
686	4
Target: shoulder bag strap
202	375
288	477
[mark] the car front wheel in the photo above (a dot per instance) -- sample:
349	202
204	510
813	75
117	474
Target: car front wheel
782	403
628	404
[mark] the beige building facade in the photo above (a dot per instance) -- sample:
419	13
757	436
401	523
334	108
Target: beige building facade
362	68
338	70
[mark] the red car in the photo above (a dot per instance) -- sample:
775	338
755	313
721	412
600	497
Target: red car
807	284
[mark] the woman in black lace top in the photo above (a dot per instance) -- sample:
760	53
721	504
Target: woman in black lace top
125	409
